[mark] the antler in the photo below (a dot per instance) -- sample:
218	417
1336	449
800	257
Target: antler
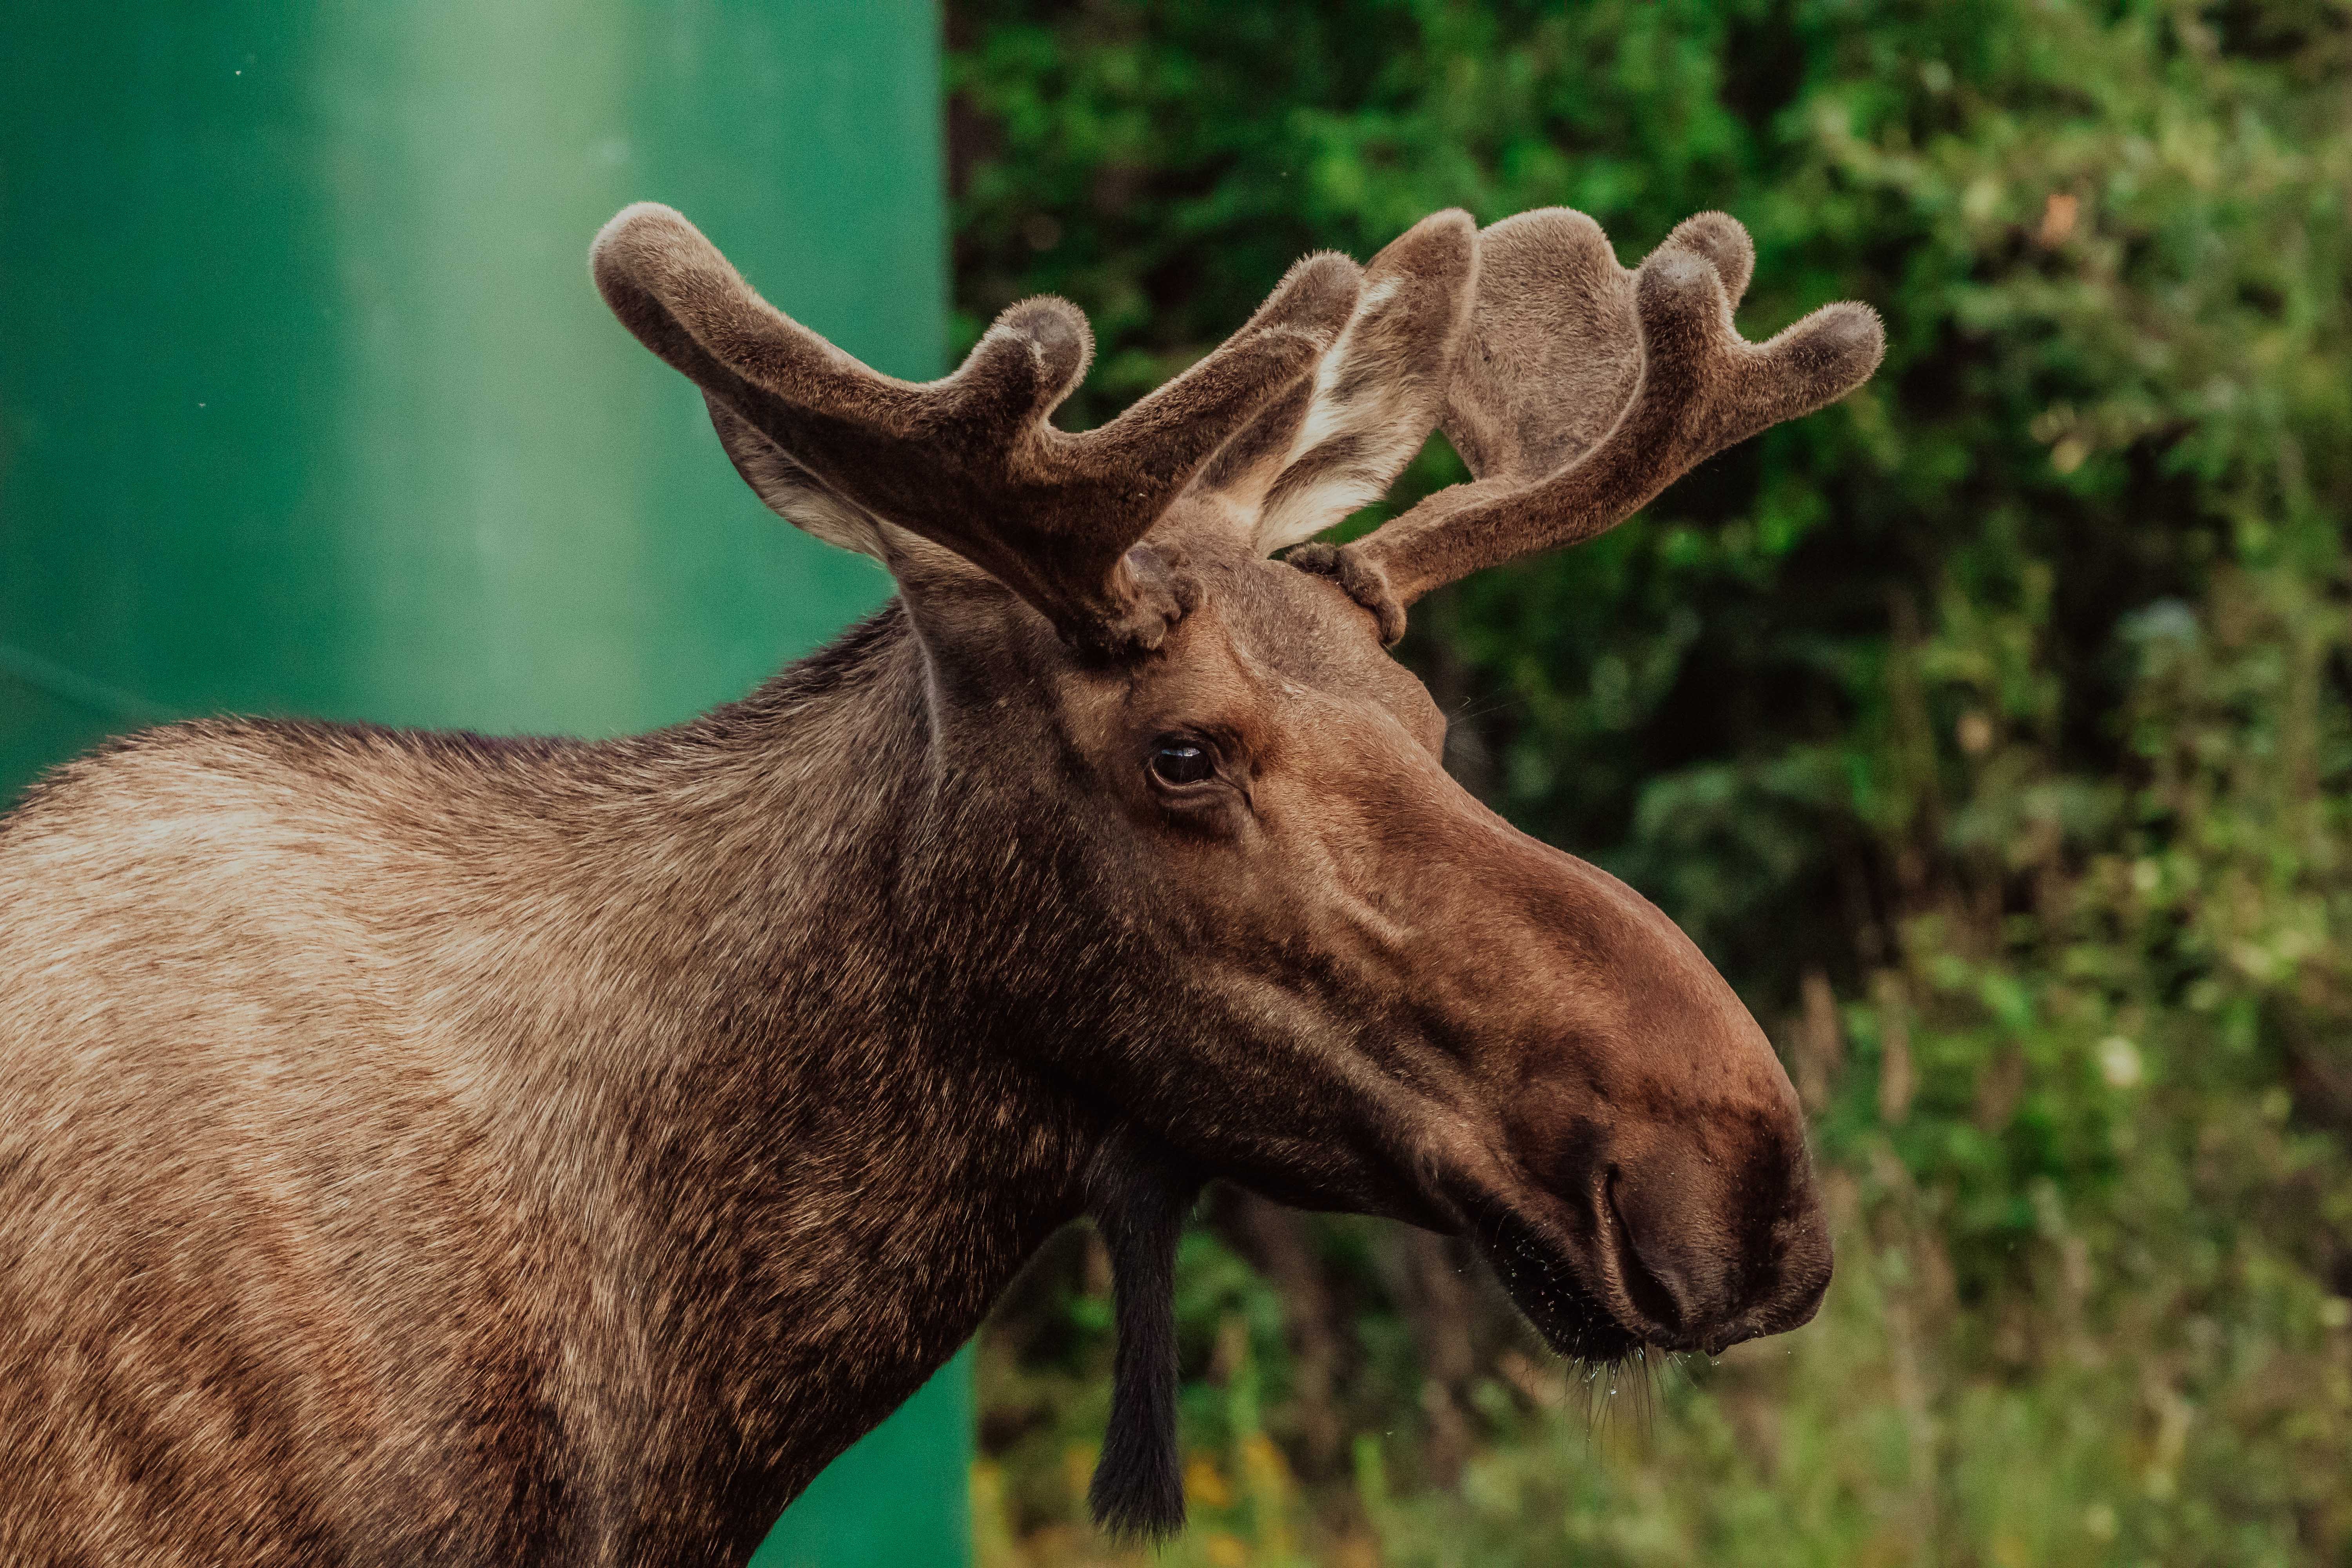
1582	390
1336	439
970	461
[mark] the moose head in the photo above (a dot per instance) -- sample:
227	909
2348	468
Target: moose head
1262	927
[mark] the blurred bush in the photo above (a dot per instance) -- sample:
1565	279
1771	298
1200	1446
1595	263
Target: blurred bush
1990	730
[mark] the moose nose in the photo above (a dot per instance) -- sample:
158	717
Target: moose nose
1711	1251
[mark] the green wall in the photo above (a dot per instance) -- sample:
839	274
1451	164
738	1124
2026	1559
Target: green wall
306	405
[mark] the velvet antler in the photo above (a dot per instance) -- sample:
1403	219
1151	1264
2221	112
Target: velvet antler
1582	390
1336	439
968	462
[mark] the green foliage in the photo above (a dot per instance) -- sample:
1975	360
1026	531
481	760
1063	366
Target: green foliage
1990	730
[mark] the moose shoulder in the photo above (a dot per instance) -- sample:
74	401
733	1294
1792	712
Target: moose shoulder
419	1148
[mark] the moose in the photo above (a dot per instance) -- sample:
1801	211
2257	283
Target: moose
427	1148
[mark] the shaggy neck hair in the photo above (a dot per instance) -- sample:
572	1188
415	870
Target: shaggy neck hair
817	1097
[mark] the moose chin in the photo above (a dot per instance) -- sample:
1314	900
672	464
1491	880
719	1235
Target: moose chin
423	1149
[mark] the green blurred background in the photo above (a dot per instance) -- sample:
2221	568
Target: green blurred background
1991	730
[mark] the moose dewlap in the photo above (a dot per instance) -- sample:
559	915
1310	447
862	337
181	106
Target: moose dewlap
426	1149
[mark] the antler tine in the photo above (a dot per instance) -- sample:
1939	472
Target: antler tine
970	461
1584	390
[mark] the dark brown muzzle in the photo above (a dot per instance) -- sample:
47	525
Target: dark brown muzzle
1647	1110
1709	1251
1690	1231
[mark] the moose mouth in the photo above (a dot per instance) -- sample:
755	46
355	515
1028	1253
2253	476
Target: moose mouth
1596	1299
1546	1286
1604	1301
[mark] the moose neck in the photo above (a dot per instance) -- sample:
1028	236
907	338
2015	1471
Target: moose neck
827	1154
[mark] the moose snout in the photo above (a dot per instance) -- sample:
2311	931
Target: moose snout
1711	1249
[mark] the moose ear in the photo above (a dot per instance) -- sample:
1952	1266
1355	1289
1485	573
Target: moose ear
793	492
1337	439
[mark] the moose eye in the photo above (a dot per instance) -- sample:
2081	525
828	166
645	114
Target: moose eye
1180	763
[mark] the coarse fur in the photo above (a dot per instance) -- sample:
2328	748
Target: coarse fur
429	1148
414	1146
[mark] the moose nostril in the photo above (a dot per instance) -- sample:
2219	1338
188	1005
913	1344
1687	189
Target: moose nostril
1654	1293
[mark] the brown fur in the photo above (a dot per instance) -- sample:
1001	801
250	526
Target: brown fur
427	1149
